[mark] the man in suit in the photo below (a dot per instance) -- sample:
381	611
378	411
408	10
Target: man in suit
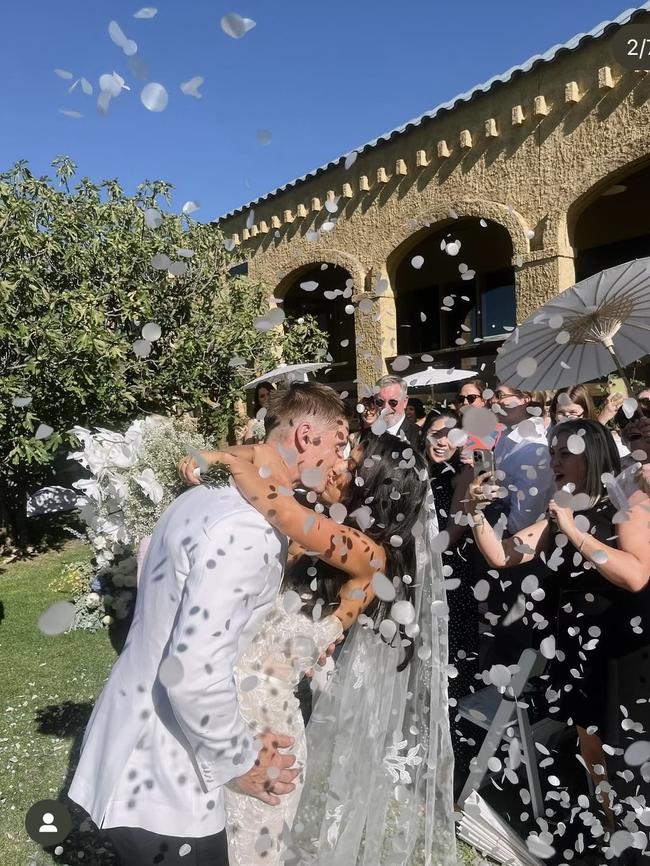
391	399
166	733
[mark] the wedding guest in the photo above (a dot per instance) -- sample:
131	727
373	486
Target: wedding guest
601	568
542	402
449	480
415	411
610	406
391	399
254	430
367	413
635	433
521	457
572	403
470	394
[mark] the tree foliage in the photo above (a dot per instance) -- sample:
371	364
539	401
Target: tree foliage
77	285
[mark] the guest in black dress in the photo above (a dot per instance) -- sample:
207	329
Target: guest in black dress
598	567
449	480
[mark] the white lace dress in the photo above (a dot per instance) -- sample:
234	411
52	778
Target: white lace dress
267	674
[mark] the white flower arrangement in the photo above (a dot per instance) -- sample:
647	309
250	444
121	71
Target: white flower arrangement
133	480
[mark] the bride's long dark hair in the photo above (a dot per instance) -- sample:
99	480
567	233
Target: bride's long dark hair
392	482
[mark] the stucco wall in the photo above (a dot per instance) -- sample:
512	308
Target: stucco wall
535	176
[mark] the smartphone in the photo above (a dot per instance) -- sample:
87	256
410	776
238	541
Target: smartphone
483	462
617	387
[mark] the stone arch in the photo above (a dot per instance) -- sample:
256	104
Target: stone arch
607	221
408	234
312	258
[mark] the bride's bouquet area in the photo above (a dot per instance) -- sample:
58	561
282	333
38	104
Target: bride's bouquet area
132	480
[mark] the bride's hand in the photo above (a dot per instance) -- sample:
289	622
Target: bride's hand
190	467
480	491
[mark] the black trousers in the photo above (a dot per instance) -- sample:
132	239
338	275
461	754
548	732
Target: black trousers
138	847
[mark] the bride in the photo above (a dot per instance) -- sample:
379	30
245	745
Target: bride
376	788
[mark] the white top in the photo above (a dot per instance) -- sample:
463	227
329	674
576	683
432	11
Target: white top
396	427
521	461
156	754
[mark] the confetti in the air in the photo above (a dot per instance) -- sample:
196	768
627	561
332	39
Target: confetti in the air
152	218
190	206
69	113
146	12
154	96
235	26
191	87
309	286
44	431
263	137
184	850
151	332
417	262
21	402
526	367
57	619
118	37
142	348
63	73
170	672
350	159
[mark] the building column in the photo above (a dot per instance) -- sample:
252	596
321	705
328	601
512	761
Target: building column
375	324
542	275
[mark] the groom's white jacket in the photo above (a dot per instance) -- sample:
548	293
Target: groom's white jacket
156	756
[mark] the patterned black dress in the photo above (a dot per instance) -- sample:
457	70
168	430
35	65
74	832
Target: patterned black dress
463	614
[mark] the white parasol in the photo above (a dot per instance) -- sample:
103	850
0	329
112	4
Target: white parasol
288	372
432	376
599	325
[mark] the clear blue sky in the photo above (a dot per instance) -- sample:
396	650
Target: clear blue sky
323	77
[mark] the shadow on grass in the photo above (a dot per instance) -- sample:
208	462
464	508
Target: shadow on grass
45	534
68	721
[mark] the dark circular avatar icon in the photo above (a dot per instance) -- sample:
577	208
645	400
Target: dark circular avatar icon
48	822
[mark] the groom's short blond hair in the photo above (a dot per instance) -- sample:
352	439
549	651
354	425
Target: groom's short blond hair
303	401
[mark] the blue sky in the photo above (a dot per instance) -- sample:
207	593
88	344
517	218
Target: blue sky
322	77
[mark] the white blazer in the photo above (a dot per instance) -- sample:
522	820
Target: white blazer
156	756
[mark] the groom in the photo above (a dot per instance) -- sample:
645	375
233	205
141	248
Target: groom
166	733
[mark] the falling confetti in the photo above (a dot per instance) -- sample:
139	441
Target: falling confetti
263	137
184	850
332	205
44	431
21	402
68	113
190	206
402	362
526	367
452	248
382	587
235	26
151	332
154	97
191	87
171	672
63	73
118	37
160	262
142	348
57	619
417	262
146	12
153	218
350	159
309	286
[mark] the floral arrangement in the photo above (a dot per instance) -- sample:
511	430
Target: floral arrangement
132	480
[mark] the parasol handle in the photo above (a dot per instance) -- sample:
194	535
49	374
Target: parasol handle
609	345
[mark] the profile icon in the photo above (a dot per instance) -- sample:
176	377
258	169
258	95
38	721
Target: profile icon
48	822
48	825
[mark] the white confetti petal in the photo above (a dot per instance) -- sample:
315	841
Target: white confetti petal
184	849
151	332
526	367
154	96
160	262
171	672
575	444
44	431
57	618
146	12
401	363
229	244
383	587
142	348
63	73
21	402
235	26
338	512
69	113
263	137
191	87
190	206
547	647
403	612
417	262
153	218
309	286
481	590
350	159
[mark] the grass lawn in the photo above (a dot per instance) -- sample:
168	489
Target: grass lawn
48	687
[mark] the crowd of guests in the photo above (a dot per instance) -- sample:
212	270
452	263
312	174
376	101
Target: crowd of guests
559	527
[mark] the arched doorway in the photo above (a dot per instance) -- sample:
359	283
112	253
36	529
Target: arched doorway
457	308
612	224
324	290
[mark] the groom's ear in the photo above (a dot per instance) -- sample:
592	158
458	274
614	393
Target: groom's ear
303	436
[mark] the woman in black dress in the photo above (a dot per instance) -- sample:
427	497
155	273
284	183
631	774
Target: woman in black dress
449	479
598	569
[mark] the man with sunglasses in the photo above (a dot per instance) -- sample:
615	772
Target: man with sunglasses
390	400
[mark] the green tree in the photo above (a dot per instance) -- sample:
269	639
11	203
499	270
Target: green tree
81	272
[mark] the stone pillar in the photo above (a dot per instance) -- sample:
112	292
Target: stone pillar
375	324
542	276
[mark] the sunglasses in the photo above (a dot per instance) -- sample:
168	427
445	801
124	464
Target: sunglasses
467	398
379	403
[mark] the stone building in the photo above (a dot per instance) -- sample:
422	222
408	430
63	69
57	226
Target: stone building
542	174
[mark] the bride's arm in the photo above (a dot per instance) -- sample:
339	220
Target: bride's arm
188	465
355	596
343	547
